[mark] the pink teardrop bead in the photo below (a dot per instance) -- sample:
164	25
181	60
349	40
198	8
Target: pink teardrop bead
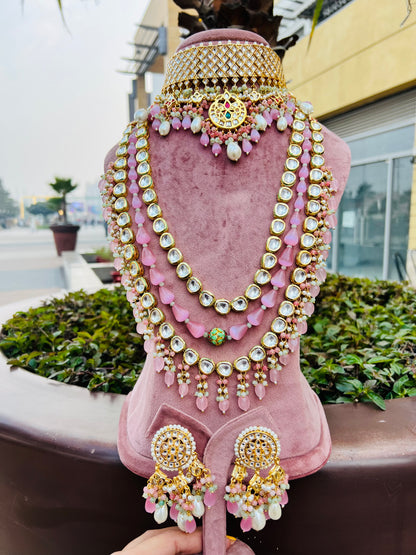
303	172
142	236
204	140
237	332
141	326
131	150
321	274
260	391
295	219
255	136
169	378
289	119
307	133
156	277
131	162
331	220
244	403
158	364
216	149
195	329
279	279
176	123
269	299
118	263
285	498
255	318
268	117
232	507
301	187
299	203
291	105
154	110
183	390
173	513
156	124
291	238
132	138
274	113
149	346
284	359
247	146
131	295
224	405
148	258
245	524
202	403
274	375
286	259
293	344
302	327
166	295
136	203
325	254
139	218
332	203
181	314
210	498
309	309
132	174
305	158
134	188
186	122
314	290
190	526
307	145
149	506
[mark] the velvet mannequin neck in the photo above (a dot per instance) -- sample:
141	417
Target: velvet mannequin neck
219	213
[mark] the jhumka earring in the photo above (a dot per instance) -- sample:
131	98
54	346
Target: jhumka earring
257	448
174	450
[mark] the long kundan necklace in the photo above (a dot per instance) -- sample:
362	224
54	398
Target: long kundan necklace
230	114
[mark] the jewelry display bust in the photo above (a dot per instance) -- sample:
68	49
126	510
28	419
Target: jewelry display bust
234	226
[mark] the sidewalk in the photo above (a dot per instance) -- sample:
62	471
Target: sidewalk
29	265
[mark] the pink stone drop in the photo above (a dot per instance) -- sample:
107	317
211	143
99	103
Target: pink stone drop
267	116
303	172
302	327
136	202
224	405
142	237
216	149
245	524
286	259
169	378
255	136
141	326
307	133
149	506
301	188
255	318
334	185
309	309
186	122
291	238
332	203
244	403
260	391
325	254
204	140
158	364
289	119
124	280
307	145
295	219
132	138
284	359
202	403
173	513
131	295
247	146
238	331
166	295
131	162
134	188
181	314
148	258
139	218
176	123
279	279
131	150
118	263
274	375
210	498
155	110
293	344
183	390
321	274
274	113
269	299
195	329
156	277
331	220
232	507
132	174
190	526
305	158
314	290
149	346
285	498
156	124
300	203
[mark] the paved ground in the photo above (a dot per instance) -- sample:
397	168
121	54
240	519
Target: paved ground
29	265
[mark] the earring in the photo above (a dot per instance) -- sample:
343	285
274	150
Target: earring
263	497
174	450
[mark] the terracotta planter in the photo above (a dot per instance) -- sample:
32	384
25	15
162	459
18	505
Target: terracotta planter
63	489
65	237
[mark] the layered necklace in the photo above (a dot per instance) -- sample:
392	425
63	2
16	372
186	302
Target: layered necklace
130	198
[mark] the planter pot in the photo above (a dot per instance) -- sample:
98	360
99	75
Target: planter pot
63	489
65	237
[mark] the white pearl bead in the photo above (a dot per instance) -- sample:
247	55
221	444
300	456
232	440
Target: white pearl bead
233	151
199	508
281	123
181	522
258	520
196	125
261	122
164	128
161	513
306	107
141	115
275	511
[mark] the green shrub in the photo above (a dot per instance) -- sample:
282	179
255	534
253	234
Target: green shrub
362	347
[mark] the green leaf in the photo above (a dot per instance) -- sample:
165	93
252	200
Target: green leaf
377	400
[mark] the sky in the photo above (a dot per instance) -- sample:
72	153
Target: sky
62	103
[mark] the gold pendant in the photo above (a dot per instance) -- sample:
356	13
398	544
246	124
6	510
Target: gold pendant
227	111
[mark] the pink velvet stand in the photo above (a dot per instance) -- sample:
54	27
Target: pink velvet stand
219	213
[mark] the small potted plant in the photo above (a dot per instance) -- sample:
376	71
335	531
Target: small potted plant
64	233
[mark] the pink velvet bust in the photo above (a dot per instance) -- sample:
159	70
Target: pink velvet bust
219	213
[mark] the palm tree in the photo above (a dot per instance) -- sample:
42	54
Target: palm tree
62	187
